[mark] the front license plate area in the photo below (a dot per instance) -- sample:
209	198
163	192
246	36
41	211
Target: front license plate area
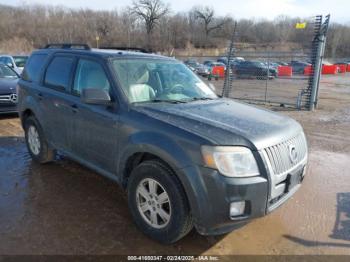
294	179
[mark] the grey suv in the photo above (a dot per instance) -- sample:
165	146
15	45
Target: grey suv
185	156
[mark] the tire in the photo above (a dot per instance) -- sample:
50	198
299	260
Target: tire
41	153
180	221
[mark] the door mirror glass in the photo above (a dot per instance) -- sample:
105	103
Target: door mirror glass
95	96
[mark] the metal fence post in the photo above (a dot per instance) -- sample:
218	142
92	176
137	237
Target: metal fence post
227	88
267	75
317	73
324	41
318	64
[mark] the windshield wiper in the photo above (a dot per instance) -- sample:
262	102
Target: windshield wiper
173	101
201	98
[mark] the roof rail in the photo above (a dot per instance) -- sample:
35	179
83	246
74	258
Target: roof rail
135	49
68	46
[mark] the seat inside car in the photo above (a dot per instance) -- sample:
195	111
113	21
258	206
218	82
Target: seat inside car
141	91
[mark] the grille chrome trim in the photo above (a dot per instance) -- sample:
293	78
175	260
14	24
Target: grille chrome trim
9	98
278	164
278	155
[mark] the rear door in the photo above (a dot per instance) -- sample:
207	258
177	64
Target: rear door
56	100
95	135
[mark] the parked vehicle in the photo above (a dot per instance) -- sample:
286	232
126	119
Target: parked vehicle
203	70
342	63
185	156
17	63
282	63
208	62
255	69
272	65
191	63
343	67
211	64
8	94
198	68
299	67
234	60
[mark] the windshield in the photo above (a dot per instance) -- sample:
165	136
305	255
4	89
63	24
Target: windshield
20	61
150	80
6	72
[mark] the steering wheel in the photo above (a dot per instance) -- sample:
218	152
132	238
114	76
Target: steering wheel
176	87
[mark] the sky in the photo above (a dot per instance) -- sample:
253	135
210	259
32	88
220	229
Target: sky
268	9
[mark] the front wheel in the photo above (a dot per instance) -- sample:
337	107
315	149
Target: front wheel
36	141
158	203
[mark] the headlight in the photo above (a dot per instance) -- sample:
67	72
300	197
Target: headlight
231	161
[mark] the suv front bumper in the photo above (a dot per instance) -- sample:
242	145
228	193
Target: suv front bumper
213	194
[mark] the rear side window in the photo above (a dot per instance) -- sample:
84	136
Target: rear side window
33	67
58	73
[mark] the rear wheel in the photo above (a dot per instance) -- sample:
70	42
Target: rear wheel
36	141
158	202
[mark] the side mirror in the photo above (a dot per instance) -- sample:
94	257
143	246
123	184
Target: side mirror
95	96
9	65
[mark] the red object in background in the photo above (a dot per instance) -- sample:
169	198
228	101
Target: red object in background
308	70
348	68
342	68
329	69
285	71
218	71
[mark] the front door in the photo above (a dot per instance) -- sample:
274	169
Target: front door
95	135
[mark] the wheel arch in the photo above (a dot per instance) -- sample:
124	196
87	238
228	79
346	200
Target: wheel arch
25	114
138	156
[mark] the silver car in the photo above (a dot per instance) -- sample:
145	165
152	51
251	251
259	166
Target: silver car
16	62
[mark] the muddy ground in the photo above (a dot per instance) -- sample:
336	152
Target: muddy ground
64	208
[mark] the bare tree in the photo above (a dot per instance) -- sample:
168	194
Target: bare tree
26	27
150	11
207	15
128	26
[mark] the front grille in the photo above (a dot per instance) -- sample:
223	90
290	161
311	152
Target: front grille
8	98
279	155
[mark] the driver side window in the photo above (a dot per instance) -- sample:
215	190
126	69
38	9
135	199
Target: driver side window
89	74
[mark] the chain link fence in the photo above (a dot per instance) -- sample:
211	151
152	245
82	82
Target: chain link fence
262	77
278	78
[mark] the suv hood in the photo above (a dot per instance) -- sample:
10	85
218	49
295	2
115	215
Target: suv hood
225	121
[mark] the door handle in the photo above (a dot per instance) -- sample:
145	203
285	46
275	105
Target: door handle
74	108
40	96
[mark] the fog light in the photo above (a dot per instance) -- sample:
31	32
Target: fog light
237	208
